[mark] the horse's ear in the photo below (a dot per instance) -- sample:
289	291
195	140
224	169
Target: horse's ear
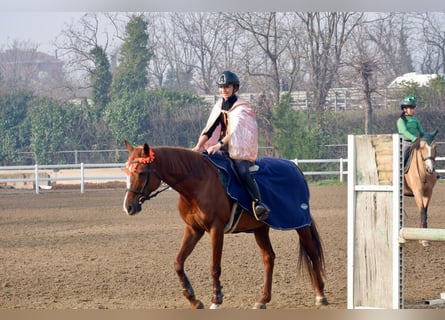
146	150
433	134
129	146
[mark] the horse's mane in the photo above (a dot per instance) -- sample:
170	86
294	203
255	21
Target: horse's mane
179	159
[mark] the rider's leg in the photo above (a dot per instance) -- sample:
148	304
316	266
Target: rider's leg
406	149
261	211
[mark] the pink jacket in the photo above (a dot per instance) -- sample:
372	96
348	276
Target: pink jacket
241	127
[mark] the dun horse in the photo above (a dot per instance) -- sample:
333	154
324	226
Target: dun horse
205	207
420	176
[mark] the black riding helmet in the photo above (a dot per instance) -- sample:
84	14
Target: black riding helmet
228	77
408	102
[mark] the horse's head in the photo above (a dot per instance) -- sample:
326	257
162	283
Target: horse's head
144	179
427	149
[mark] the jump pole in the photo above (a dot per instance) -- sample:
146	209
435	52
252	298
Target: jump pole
429	234
375	217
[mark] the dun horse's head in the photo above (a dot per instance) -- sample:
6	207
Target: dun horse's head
143	178
427	149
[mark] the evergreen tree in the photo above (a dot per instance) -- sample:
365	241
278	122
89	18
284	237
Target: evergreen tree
13	129
100	80
48	120
131	73
293	137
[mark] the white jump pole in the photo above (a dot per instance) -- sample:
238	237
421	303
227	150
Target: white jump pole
429	234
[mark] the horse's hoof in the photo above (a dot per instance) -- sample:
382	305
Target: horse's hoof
424	243
321	301
259	305
214	306
198	305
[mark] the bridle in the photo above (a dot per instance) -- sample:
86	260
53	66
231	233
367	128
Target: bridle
430	157
143	195
148	161
424	159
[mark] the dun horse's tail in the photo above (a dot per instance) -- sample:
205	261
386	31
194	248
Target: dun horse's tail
309	259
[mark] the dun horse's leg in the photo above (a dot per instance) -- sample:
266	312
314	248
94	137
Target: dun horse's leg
263	240
422	205
424	224
424	217
189	240
315	265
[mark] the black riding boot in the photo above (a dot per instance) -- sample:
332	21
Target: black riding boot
260	210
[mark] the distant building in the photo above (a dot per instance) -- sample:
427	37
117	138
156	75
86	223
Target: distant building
421	80
32	70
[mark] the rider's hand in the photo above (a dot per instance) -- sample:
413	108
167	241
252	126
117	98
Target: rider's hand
214	149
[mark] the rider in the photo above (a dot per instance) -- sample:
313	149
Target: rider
232	129
409	126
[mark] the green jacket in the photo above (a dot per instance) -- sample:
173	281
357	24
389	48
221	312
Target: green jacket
410	129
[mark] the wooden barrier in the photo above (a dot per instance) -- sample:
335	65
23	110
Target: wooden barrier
375	213
375	223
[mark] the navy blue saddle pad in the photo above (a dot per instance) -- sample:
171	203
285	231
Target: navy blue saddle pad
282	186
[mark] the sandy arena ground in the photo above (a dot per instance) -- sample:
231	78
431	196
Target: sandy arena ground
64	250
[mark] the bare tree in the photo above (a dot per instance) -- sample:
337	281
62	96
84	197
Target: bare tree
79	38
271	39
325	36
433	27
173	63
203	33
364	57
392	33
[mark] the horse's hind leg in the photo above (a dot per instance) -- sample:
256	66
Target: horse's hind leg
189	240
263	240
311	255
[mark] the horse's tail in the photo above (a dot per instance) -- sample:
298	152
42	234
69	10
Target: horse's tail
307	259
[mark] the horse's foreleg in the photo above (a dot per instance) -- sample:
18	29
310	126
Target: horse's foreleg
263	240
422	204
424	217
189	240
217	238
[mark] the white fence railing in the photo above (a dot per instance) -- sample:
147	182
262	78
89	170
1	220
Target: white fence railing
39	181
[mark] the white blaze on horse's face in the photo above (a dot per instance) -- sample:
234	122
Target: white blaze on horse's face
429	159
125	200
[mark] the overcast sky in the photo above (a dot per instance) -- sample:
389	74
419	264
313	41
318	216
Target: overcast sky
44	19
40	28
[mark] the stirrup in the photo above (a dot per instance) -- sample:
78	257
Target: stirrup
260	210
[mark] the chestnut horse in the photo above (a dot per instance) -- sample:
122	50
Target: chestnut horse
420	176
205	207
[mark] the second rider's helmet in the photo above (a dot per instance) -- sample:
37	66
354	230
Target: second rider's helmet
408	102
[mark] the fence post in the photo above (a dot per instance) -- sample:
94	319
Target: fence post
82	178
341	169
36	177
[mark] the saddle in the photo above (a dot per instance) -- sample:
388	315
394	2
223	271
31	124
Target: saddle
282	186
